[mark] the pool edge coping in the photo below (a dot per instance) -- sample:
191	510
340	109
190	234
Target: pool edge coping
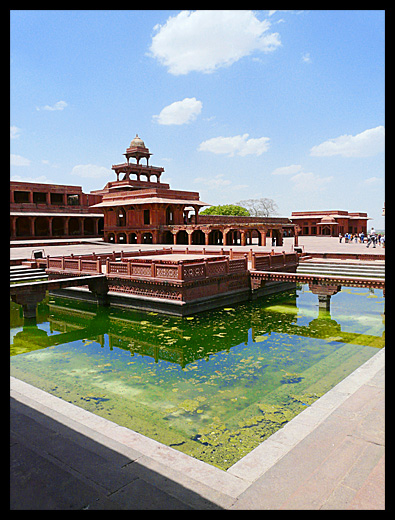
240	475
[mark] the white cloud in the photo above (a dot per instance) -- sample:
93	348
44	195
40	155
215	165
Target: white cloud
49	163
14	132
310	182
218	183
373	181
273	11
287	170
179	112
303	181
41	179
254	146
90	170
366	144
306	57
213	182
206	40
238	144
18	160
60	105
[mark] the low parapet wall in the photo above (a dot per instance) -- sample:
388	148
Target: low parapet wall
197	280
278	261
201	264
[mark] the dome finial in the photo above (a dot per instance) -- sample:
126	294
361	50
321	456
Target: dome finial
137	142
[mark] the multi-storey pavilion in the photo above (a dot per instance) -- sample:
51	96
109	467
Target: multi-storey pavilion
138	209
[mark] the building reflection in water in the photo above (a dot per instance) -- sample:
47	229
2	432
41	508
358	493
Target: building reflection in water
173	339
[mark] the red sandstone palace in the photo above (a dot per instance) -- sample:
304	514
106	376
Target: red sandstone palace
51	210
137	208
329	223
140	209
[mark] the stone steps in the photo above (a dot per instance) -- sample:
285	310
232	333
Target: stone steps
366	270
21	273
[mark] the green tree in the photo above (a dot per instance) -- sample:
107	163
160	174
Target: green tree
226	209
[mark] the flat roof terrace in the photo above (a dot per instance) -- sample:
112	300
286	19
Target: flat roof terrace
176	258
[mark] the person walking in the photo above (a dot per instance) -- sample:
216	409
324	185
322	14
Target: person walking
340	238
372	238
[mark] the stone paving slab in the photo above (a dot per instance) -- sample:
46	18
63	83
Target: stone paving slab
186	471
331	456
54	466
308	244
330	466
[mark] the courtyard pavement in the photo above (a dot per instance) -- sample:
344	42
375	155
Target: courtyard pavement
331	456
308	244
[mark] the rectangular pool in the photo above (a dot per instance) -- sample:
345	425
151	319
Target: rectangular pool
214	385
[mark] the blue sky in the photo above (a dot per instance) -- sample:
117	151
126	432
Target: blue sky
234	104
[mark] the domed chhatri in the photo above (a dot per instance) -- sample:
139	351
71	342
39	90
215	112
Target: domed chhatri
137	142
137	150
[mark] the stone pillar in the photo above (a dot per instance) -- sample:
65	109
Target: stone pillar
296	236
243	238
50	219
29	310
324	301
28	298
66	225
32	221
324	293
96	226
99	288
13	227
280	237
225	236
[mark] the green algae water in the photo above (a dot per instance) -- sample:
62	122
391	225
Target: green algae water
214	385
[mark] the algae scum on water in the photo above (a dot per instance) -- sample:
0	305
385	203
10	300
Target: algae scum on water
213	385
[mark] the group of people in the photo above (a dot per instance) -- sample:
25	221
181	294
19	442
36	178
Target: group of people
370	238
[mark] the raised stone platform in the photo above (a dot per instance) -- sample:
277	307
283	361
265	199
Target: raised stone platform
173	282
